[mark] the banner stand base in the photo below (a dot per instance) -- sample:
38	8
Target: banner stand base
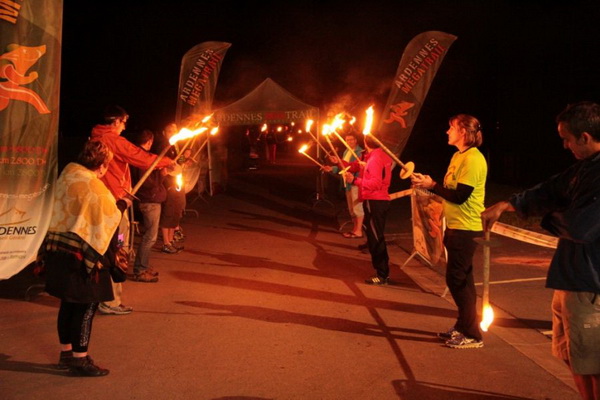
421	256
426	261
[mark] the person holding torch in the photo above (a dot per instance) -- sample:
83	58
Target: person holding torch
463	192
373	184
118	179
570	205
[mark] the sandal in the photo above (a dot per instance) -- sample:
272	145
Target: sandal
351	235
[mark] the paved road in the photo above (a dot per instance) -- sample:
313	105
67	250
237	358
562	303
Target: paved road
267	301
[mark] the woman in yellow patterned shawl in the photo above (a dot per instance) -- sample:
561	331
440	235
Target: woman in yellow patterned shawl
79	250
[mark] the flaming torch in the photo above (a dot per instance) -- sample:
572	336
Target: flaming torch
303	151
487	313
212	132
309	123
338	121
408	168
183	134
179	182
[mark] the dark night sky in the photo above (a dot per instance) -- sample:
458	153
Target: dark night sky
515	64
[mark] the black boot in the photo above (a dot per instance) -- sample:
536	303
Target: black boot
84	366
64	359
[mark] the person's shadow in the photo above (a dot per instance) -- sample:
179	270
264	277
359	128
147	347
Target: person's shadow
23	366
414	390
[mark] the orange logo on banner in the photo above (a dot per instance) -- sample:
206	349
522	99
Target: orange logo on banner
398	112
14	65
16	212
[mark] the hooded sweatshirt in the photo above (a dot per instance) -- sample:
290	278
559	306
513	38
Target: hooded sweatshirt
118	177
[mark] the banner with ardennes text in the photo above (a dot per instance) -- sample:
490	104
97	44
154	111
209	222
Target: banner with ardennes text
419	64
30	51
200	68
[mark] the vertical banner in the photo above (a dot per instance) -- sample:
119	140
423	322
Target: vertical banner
198	77
419	64
428	225
30	50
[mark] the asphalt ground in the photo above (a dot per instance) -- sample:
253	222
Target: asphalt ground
267	301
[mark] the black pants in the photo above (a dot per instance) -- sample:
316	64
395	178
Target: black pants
75	324
375	216
459	278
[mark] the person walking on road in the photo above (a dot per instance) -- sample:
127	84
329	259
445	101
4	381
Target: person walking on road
463	192
570	205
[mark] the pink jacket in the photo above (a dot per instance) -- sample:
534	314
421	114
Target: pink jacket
374	179
118	177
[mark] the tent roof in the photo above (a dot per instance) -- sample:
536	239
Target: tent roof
267	103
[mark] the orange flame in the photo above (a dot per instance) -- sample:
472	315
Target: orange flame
368	121
309	123
264	128
302	149
179	182
487	318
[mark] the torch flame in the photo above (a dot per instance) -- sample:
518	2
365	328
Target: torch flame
279	129
338	122
179	181
289	139
487	318
186	133
352	121
264	128
309	124
214	131
368	121
302	149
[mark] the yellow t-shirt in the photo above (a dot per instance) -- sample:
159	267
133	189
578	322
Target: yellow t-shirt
468	168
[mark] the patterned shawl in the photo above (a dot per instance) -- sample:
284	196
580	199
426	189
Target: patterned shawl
84	206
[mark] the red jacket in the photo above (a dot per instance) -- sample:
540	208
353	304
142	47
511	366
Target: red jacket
118	177
374	180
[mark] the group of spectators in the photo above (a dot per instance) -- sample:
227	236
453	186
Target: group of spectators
85	251
89	222
569	203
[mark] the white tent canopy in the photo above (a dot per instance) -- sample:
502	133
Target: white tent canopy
268	103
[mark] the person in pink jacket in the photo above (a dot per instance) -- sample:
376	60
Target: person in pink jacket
373	183
118	179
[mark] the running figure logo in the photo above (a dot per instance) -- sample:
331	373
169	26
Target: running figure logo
398	112
14	64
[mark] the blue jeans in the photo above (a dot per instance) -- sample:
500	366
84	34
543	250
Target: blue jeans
151	213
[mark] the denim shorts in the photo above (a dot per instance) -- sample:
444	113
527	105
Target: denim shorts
576	330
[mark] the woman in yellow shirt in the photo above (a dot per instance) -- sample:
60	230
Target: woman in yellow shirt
463	192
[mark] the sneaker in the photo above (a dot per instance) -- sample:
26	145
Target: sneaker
118	310
463	342
169	249
64	359
145	276
84	366
449	334
375	280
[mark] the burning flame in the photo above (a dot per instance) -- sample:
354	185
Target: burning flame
186	133
368	121
488	318
338	122
179	181
214	131
289	139
352	121
302	149
309	124
279	129
264	128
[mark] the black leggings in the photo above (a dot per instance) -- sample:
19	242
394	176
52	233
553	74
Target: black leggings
75	324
